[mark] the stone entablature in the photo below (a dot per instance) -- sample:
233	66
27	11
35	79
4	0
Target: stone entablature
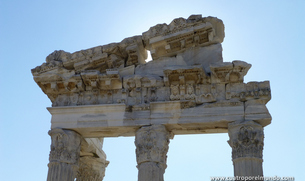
110	73
110	91
192	77
65	88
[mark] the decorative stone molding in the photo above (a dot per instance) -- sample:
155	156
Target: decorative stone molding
227	72
151	149
117	73
168	40
92	87
249	91
64	155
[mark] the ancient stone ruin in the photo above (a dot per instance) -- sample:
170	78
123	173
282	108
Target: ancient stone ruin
111	91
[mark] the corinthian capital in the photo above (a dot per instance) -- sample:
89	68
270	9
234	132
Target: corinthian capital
91	168
246	140
65	146
152	144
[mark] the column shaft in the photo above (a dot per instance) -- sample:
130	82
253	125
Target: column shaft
151	149
247	142
64	155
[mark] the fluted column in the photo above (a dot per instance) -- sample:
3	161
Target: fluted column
247	142
64	155
151	149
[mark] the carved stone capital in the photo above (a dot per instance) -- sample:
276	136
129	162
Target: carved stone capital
246	140
65	146
152	144
64	155
91	168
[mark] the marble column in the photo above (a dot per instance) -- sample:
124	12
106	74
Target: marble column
247	142
64	155
151	149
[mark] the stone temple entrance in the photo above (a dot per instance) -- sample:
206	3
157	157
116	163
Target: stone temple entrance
111	91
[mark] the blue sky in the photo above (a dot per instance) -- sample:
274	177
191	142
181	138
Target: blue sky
269	35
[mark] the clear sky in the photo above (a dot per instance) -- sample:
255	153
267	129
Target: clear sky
267	34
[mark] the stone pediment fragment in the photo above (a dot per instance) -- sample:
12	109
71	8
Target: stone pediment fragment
181	34
115	55
229	72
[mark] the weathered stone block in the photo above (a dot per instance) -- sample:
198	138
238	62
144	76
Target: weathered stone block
256	110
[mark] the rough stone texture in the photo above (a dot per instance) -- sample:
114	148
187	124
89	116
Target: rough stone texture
151	149
202	56
247	142
109	91
91	169
64	155
181	34
92	163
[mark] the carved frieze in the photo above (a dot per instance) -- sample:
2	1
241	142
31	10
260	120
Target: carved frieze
141	89
190	93
251	90
181	82
190	84
205	93
175	92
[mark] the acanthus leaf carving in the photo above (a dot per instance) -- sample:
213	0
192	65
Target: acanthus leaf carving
65	146
248	141
152	144
91	169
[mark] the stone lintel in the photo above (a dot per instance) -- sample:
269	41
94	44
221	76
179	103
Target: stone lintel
112	120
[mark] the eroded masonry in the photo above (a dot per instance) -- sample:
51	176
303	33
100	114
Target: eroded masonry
111	91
